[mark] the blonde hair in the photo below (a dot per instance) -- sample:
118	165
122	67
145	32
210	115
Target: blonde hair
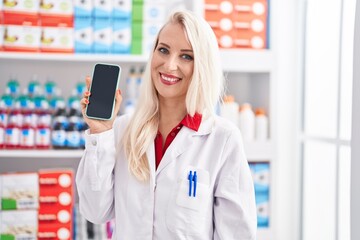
205	91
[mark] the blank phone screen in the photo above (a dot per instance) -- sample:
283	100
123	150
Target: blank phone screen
103	88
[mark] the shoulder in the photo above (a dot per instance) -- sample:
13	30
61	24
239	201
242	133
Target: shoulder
120	124
225	127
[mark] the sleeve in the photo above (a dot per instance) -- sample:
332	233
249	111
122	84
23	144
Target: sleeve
234	195
95	179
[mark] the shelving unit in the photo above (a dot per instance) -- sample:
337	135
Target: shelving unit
251	77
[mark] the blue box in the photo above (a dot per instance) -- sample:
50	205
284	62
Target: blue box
262	208
121	36
83	34
102	35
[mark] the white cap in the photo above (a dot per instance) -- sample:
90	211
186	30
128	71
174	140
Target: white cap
64	180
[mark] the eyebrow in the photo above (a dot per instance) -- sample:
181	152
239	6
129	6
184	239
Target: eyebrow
182	50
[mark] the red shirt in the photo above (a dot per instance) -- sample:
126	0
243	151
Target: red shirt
188	121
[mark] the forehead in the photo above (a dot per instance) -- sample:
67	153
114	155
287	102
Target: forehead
174	34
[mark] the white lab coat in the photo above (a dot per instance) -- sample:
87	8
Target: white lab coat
224	205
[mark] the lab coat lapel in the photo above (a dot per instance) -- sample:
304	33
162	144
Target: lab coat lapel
151	160
182	142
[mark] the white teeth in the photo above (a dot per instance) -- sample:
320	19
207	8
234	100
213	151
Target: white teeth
169	79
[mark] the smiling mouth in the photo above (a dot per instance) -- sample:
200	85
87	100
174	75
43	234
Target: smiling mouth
169	79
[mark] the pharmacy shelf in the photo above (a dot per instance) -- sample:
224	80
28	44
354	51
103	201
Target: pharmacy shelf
249	61
259	151
255	152
64	57
241	60
264	234
40	153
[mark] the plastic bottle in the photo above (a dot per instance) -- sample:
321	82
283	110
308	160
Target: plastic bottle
27	132
72	136
13	86
247	122
12	131
2	125
229	109
43	129
33	86
130	98
58	136
261	125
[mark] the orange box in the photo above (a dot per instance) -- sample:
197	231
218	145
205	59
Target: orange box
55	231
249	39
225	39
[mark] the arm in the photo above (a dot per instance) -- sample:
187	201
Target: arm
234	203
94	177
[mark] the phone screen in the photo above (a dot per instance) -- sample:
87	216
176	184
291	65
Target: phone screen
103	88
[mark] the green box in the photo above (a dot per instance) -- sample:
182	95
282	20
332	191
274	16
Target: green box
137	12
136	46
137	30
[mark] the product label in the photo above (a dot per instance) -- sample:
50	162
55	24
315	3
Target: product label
58	138
43	137
27	137
12	136
73	139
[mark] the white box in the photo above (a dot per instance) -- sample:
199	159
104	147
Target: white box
102	35
21	37
122	9
20	191
57	39
21	224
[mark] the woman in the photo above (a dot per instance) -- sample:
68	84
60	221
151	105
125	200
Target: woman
172	170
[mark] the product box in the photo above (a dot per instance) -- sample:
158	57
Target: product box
21	224
20	11
54	12
149	11
57	39
1	187
122	9
20	191
23	38
1	38
102	8
55	231
262	177
83	34
56	178
83	8
121	42
262	208
103	36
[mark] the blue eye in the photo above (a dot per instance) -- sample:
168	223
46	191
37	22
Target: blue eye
163	50
187	57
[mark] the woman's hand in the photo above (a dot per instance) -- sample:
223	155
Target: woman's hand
98	126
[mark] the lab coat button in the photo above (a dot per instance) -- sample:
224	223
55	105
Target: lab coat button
94	142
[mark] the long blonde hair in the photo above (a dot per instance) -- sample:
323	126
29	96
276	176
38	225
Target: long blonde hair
205	91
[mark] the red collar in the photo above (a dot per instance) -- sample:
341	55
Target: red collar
192	122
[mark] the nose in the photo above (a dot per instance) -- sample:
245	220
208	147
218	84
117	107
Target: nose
172	63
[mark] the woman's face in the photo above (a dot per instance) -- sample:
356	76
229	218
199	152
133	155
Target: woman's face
172	64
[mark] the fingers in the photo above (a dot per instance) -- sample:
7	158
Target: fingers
118	100
88	82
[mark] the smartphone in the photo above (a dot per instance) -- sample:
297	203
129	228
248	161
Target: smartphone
105	80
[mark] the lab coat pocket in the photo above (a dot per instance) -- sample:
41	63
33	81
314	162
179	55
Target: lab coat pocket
189	215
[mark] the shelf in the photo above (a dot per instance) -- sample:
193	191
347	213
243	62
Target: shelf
41	153
259	151
256	61
255	152
233	60
74	57
264	234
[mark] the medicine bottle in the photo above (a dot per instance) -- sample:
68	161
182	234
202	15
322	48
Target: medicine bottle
247	122
261	124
